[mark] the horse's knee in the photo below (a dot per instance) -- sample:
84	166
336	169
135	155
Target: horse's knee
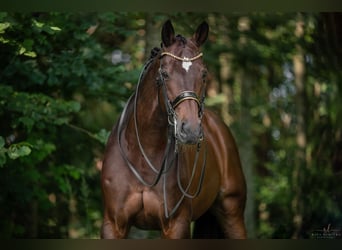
110	230
107	230
231	215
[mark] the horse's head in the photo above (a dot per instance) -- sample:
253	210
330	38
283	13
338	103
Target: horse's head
183	74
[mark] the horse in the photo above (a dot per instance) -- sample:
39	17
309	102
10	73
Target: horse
167	162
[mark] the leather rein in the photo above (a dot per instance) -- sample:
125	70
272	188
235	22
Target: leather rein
171	151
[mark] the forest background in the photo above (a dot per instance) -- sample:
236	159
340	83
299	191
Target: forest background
275	79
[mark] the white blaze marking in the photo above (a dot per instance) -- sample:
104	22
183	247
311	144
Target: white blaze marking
186	64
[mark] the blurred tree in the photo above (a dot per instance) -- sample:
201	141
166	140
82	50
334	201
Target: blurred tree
300	101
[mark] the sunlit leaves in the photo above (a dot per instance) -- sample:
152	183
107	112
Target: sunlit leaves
18	150
14	151
4	26
41	26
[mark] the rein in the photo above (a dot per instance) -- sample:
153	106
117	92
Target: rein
171	139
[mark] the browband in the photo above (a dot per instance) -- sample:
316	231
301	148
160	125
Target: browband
183	59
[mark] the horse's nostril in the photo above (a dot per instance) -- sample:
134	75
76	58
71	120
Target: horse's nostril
183	127
189	133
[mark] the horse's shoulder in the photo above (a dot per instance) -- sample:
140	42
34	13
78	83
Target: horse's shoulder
214	122
218	132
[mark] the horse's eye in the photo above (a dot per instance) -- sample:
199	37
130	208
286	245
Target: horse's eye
164	74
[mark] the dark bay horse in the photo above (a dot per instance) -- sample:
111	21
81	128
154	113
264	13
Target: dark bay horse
167	161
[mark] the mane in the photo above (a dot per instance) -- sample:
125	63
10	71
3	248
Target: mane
181	39
154	52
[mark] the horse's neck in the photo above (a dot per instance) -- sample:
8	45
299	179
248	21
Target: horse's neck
151	120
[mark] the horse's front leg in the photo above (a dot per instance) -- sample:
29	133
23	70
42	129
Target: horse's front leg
176	230
178	226
231	216
113	228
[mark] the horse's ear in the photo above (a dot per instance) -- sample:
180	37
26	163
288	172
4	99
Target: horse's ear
168	34
201	34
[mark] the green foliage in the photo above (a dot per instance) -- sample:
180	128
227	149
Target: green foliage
14	151
53	66
35	111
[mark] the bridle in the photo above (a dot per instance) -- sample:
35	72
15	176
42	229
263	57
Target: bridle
183	96
167	163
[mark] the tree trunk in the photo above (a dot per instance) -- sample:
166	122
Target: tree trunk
33	233
246	149
244	82
152	35
225	74
72	231
300	162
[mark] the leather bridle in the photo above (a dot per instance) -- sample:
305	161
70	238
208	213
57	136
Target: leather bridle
183	96
167	161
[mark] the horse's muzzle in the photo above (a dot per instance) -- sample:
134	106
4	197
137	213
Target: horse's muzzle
189	132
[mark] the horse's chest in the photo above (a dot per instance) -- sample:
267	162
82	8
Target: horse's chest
149	210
